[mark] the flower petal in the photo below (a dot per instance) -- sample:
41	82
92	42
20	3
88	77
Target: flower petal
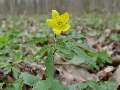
65	17
66	28
50	22
57	31
55	14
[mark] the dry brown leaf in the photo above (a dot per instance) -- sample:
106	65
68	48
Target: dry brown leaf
106	73
69	74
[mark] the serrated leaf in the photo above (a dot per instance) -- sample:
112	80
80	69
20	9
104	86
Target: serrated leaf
107	85
92	63
103	57
64	52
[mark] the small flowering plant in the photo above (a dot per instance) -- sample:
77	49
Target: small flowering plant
59	23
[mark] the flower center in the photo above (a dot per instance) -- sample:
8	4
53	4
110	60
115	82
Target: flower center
59	23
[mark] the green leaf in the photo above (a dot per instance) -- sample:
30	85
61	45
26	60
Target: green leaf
29	79
64	52
15	72
40	53
107	85
103	57
93	85
41	85
81	86
77	60
115	37
58	86
3	39
7	68
49	63
92	63
86	47
49	85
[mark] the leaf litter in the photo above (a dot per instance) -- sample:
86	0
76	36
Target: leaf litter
67	73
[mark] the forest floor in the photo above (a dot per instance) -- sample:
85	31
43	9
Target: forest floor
93	64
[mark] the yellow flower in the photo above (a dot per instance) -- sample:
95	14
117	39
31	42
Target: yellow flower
59	23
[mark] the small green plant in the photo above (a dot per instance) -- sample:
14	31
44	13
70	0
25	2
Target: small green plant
59	24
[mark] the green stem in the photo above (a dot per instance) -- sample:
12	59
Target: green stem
49	72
